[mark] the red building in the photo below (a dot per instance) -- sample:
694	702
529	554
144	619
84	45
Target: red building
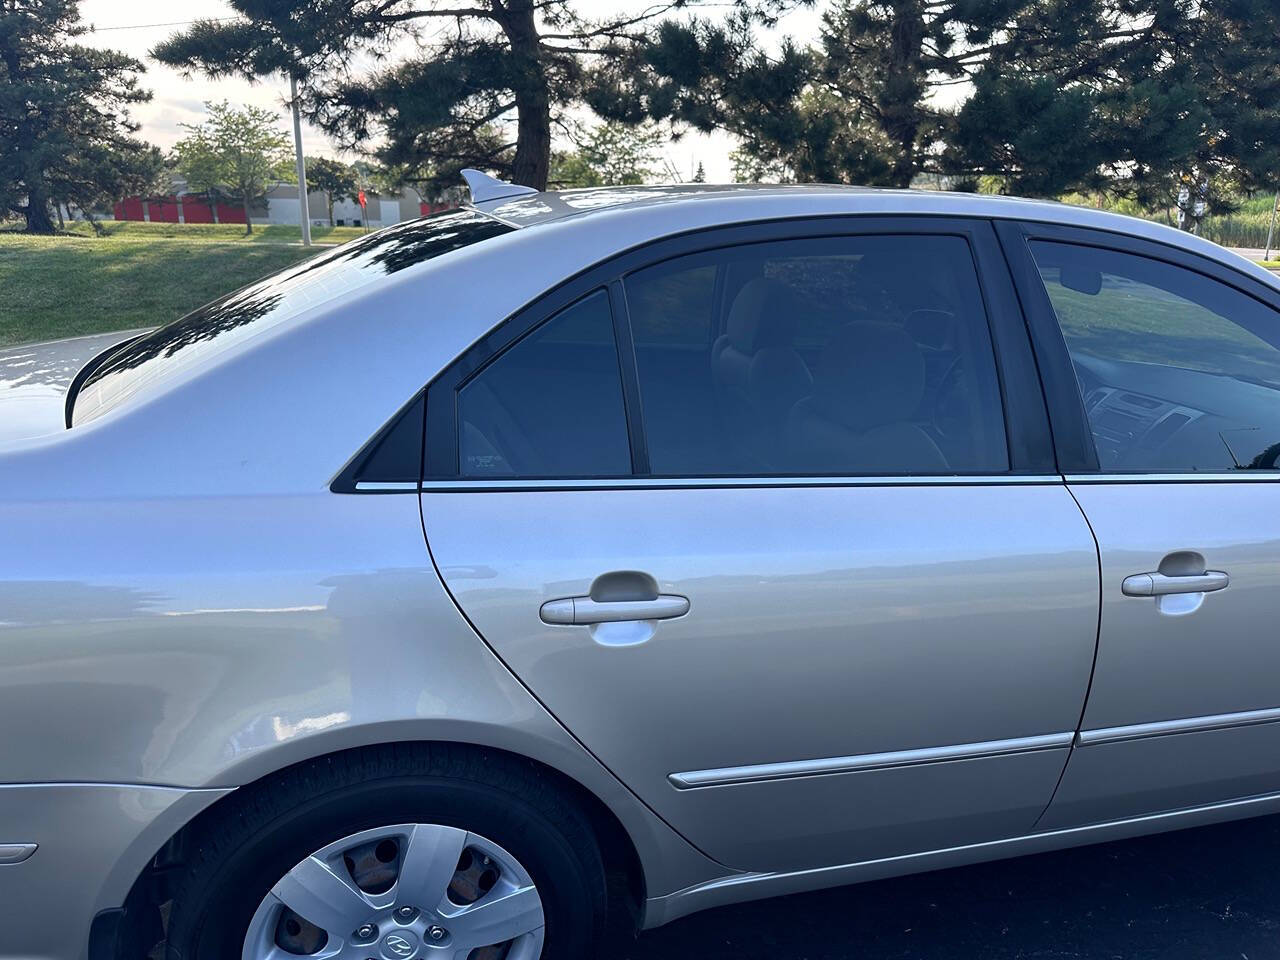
185	208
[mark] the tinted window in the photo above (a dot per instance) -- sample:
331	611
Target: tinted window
551	405
204	333
1178	372
842	355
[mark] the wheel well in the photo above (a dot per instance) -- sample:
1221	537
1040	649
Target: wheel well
133	927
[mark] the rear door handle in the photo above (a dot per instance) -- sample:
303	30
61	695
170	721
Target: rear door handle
1162	585
584	610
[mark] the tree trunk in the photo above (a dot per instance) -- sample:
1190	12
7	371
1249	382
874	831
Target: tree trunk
37	210
532	162
248	221
329	197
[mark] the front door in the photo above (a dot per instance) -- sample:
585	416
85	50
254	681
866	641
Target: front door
777	566
1178	366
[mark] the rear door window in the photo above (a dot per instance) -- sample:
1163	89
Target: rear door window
850	355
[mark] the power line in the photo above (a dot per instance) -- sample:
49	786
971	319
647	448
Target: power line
172	23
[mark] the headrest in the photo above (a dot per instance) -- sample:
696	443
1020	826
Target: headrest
763	315
888	278
870	374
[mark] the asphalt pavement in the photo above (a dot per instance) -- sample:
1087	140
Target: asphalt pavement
1206	894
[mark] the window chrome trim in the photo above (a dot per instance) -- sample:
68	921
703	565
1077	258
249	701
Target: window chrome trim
1164	728
373	486
1242	476
757	773
480	485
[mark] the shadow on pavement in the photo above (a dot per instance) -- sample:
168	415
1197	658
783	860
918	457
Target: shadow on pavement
1206	894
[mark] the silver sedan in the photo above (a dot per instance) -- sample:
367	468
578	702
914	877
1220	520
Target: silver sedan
569	562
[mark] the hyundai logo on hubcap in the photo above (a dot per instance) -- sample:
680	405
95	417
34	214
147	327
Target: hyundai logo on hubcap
399	946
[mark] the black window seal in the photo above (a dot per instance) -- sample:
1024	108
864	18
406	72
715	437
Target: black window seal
95	363
629	371
1025	448
1026	415
441	454
1072	436
360	474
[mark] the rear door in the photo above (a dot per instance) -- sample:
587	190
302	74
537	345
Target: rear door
767	517
1168	410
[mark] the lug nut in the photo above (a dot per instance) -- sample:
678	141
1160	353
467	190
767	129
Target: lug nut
366	931
406	914
436	933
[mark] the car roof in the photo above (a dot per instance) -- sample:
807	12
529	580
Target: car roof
532	209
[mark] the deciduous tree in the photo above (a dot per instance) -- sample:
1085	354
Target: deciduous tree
336	179
239	154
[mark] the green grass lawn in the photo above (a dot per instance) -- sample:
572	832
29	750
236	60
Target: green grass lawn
221	232
65	286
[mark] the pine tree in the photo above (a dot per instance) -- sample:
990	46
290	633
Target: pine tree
1082	94
709	75
1134	97
65	131
1146	99
492	61
856	108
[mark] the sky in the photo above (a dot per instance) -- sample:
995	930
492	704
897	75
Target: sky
135	26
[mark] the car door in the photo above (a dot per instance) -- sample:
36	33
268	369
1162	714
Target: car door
767	517
1169	412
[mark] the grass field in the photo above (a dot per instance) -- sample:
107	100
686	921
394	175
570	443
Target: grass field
221	232
65	286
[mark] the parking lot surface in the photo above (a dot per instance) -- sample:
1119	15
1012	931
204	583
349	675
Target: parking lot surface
1206	894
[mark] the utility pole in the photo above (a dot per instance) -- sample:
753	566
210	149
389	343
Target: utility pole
1271	231
303	211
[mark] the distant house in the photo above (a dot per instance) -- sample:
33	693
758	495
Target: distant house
279	207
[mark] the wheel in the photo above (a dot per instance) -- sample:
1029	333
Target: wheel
398	854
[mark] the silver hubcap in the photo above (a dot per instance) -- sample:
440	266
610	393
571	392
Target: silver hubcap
404	892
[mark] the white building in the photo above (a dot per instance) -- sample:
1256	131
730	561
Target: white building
381	210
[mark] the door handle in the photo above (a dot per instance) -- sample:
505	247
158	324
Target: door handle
1163	585
584	610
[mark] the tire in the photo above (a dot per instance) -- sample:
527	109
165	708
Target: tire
262	832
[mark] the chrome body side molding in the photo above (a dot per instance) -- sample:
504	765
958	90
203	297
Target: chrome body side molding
1163	728
697	483
1241	476
726	776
